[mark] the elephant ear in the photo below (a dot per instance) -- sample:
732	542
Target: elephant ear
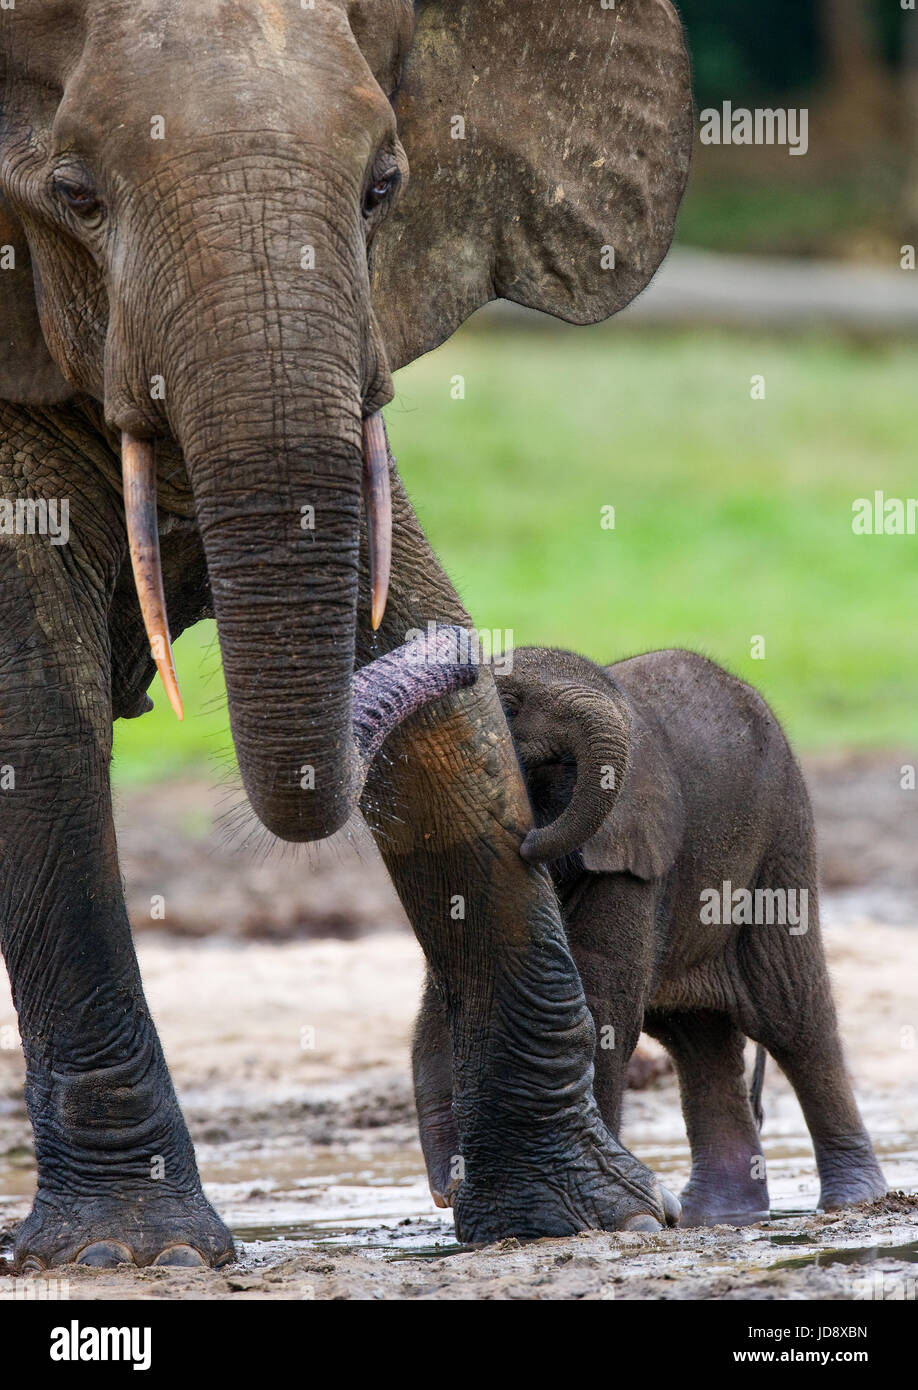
549	145
28	372
642	835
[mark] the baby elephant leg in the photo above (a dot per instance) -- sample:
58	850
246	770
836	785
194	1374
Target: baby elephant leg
609	922
799	1029
727	1185
432	1066
785	1003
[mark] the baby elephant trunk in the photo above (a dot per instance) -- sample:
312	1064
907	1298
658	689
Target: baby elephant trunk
594	727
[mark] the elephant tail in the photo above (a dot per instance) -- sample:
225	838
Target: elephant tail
755	1085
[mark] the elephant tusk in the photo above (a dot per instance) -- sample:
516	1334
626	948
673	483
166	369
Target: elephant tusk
377	498
138	472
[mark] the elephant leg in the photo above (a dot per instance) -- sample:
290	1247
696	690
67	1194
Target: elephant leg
728	1185
609	921
432	1068
448	806
117	1179
786	1004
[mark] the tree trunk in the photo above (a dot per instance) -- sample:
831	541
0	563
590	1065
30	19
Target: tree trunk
860	97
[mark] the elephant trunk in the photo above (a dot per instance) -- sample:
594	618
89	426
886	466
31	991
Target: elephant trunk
275	378
594	728
279	516
385	692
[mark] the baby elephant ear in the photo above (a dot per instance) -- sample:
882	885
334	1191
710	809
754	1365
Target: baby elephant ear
28	373
644	832
549	145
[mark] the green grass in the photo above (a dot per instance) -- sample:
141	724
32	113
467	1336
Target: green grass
733	516
844	214
156	745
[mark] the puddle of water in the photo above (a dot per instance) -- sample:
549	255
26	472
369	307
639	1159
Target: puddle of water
857	1255
360	1205
392	1242
431	1252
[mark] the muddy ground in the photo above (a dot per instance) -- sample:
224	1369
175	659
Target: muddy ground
284	986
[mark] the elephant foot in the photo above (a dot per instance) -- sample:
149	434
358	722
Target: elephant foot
717	1210
599	1187
849	1173
715	1197
104	1232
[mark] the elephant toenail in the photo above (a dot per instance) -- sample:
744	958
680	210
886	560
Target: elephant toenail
105	1254
33	1265
641	1223
184	1256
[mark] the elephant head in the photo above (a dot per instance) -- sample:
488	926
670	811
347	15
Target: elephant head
228	221
561	707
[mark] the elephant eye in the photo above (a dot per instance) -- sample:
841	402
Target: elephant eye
80	197
380	191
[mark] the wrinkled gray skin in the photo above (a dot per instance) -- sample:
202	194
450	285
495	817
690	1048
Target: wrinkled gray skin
239	291
654	780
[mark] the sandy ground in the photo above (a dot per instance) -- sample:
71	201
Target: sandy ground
290	1055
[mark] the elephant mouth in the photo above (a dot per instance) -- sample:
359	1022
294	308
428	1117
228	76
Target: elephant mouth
139	481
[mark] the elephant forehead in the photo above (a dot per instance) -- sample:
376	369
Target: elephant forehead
191	49
132	84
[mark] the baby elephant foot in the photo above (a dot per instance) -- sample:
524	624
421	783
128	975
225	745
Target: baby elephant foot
597	1186
104	1232
849	1173
717	1196
722	1208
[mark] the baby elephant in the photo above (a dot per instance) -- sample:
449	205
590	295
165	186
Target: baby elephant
679	835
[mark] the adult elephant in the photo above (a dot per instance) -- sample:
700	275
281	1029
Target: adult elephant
197	200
